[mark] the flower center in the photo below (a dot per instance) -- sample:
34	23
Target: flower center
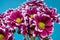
18	20
31	16
1	36
41	25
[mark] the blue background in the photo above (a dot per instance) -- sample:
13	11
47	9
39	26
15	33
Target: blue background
6	4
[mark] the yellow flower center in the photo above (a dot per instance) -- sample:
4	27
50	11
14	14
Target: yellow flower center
41	25
1	36
31	16
18	20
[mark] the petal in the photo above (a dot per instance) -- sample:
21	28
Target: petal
48	23
49	30
43	34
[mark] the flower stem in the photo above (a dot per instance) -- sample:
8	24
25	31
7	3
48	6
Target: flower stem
33	38
26	37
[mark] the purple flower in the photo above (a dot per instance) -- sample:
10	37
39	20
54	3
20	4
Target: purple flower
44	25
31	12
5	34
15	19
16	16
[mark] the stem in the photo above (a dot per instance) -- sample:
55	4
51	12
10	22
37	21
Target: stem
26	37
33	38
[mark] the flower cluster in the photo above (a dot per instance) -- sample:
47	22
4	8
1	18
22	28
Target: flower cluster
33	19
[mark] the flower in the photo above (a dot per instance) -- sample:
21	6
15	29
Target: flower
44	25
22	29
2	20
15	19
1	35
16	16
51	12
5	34
31	12
35	3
